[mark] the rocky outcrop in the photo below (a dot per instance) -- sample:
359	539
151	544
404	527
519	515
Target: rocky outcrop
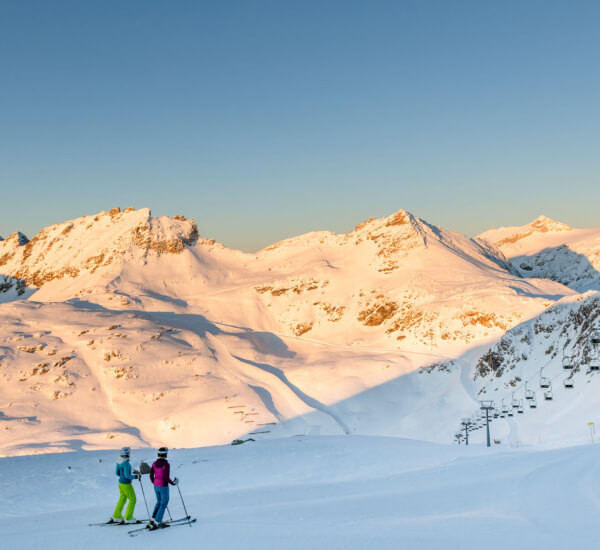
10	283
564	330
19	238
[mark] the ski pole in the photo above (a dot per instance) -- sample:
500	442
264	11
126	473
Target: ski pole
169	512
143	493
184	508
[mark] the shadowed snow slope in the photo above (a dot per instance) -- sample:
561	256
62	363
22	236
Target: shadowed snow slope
322	493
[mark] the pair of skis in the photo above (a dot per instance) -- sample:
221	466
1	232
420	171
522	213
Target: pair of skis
109	523
173	523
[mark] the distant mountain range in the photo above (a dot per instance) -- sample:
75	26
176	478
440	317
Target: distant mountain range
123	328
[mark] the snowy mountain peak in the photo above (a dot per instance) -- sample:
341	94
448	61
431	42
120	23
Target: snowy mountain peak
511	235
552	250
402	223
91	243
402	217
544	225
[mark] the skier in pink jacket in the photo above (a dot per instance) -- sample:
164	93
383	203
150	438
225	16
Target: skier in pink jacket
160	475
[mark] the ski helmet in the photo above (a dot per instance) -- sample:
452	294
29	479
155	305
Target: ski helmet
162	452
125	452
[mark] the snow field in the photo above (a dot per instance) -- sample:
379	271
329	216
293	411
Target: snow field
344	492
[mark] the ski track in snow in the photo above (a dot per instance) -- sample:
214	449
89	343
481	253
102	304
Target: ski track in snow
310	401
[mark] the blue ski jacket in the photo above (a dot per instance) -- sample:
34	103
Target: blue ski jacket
123	470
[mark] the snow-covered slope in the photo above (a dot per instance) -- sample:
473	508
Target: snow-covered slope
549	249
545	371
138	331
324	493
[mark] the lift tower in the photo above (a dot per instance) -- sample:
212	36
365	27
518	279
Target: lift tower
466	423
487	406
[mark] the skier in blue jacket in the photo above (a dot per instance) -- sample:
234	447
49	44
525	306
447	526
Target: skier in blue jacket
126	491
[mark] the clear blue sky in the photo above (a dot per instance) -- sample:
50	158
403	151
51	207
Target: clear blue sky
267	119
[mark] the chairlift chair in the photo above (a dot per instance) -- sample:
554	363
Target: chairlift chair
529	394
595	336
533	404
548	395
544	382
595	365
568	383
567	362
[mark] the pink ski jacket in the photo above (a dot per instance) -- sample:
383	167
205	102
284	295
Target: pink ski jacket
160	473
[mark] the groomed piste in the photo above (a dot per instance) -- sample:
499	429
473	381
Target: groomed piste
323	493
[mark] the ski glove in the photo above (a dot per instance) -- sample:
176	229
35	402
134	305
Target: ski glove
176	481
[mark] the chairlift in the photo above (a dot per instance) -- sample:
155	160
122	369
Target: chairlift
520	410
595	365
504	408
515	402
595	336
567	362
510	413
544	382
533	404
548	395
529	394
568	383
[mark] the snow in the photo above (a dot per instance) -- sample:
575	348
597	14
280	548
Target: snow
344	492
139	326
349	359
548	249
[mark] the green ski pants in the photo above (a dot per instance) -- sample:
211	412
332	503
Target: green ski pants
126	493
